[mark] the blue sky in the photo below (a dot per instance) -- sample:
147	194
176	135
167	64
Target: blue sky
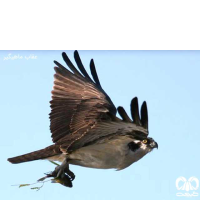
169	82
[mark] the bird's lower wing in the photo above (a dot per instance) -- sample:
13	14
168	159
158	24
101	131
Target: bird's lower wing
103	131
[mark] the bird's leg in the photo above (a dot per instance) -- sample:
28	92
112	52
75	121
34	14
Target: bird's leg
60	170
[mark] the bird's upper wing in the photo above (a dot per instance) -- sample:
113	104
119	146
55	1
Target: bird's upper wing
81	111
77	102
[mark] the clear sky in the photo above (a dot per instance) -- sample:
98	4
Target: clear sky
168	80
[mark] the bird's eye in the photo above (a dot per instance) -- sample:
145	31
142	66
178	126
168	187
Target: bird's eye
145	141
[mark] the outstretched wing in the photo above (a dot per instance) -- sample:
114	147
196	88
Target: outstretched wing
78	102
83	113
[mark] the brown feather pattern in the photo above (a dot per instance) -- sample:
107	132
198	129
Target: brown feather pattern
81	111
36	155
77	103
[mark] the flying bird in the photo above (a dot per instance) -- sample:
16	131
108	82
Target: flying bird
84	126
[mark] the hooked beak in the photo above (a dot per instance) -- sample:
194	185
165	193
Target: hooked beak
156	145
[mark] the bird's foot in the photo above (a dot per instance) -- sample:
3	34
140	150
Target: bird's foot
70	174
63	175
60	177
60	172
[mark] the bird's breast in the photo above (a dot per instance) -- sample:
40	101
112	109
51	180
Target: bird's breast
113	153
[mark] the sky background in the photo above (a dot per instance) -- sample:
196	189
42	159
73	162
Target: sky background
168	80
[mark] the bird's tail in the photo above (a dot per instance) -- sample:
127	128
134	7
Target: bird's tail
36	155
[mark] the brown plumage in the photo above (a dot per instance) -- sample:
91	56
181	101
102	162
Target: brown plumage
36	155
82	113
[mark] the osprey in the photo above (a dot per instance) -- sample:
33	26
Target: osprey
84	126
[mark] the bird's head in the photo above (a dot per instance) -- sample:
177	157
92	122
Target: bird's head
138	148
149	143
144	144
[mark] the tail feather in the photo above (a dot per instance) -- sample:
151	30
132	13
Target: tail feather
36	155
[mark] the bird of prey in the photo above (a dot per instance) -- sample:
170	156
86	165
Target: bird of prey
84	126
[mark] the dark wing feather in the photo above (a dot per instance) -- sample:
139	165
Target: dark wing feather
70	65
141	120
94	73
80	65
144	115
77	104
123	114
135	111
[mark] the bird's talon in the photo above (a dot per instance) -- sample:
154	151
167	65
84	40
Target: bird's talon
71	175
